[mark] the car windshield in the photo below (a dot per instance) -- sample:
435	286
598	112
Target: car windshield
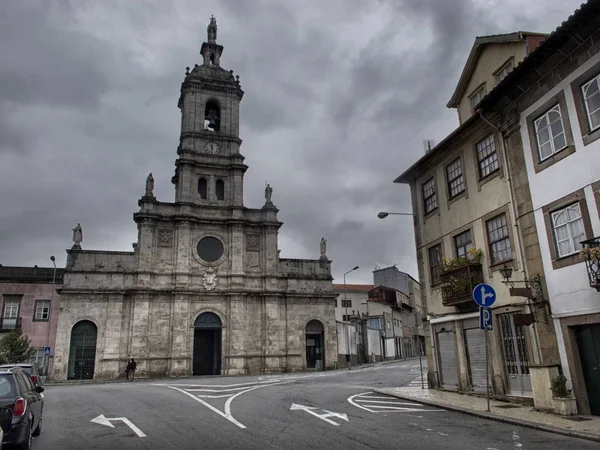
8	387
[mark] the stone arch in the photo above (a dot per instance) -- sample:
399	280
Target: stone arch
207	345
220	189
315	344
203	188
212	115
82	350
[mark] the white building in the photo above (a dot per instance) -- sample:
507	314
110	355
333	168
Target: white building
553	101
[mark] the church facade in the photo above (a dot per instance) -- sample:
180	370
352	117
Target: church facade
204	292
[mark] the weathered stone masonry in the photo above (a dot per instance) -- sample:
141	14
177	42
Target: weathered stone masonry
206	252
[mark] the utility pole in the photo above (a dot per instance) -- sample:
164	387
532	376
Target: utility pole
47	357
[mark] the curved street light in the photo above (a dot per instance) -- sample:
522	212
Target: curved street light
347	321
383	215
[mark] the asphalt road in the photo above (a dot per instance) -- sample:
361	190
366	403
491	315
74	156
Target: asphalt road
327	410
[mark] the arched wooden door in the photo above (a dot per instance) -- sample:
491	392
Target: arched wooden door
82	352
315	353
207	345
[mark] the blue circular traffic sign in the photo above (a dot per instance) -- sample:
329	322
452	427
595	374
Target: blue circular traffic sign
484	295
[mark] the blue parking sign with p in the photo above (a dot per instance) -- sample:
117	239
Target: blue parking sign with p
484	295
485	319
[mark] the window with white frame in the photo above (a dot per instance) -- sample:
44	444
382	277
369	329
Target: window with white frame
550	133
456	181
591	99
11	309
567	225
429	195
477	96
501	74
42	310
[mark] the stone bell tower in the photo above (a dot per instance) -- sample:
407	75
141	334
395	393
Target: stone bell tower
209	168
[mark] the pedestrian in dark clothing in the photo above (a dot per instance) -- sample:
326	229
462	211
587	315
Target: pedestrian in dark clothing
131	367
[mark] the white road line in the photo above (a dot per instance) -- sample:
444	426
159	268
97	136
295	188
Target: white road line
227	409
211	407
214	396
351	401
216	385
216	390
398	408
388	403
373	396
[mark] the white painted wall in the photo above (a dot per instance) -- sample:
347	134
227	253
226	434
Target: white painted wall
390	348
343	338
568	287
374	343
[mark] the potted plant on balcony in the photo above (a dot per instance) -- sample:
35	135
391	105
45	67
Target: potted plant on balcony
591	254
473	256
460	275
564	403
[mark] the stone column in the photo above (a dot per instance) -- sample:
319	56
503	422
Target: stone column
139	332
183	255
182	334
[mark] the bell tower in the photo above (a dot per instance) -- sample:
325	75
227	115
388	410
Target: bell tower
209	168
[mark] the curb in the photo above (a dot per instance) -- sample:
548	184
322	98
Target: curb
490	416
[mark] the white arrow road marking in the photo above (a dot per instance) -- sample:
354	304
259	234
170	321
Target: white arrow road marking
310	410
102	420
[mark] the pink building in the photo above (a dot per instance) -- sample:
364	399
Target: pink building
27	303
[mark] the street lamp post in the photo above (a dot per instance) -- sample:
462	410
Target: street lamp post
347	321
383	215
47	357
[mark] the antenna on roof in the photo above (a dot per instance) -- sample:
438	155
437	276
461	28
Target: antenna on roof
428	144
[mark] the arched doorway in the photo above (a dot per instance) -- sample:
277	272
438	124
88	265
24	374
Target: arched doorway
207	345
315	354
82	352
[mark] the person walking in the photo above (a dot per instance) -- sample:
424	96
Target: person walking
130	370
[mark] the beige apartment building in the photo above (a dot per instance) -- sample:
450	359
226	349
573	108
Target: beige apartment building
465	234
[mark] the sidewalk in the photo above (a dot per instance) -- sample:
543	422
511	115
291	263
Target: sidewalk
584	427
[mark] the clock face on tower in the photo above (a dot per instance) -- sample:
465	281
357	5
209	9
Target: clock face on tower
211	148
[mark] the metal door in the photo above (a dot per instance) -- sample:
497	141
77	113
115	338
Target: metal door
475	345
447	356
588	340
516	355
82	353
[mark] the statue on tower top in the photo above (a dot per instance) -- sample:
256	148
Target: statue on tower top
212	30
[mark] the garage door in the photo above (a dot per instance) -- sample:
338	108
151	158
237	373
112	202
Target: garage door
447	356
475	344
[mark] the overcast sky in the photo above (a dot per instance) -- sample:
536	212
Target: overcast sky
339	96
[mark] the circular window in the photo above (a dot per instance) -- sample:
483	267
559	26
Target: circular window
210	249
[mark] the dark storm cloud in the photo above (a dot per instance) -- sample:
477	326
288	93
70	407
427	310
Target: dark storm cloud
339	96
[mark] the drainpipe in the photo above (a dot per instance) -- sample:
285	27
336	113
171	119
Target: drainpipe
537	354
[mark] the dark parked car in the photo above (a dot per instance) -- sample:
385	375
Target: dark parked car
31	369
21	407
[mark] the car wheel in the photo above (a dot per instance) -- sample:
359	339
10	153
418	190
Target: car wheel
26	444
38	430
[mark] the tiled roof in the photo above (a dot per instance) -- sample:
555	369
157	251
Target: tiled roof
35	274
586	12
480	42
353	287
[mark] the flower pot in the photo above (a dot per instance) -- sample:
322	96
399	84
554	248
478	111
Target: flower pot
565	406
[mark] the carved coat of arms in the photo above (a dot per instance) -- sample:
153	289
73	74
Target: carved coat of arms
209	280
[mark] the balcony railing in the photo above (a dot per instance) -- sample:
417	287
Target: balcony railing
10	323
591	253
458	284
